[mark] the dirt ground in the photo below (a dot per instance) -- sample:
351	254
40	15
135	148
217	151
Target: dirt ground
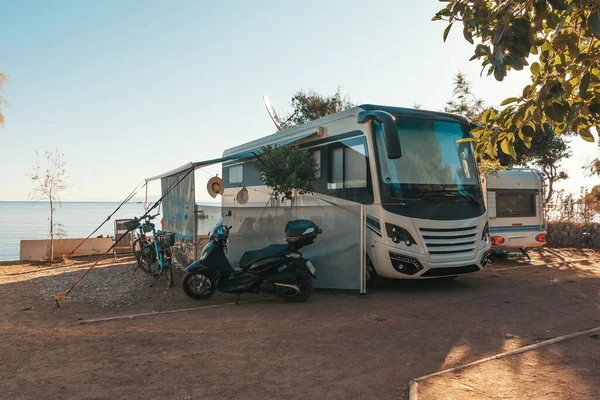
336	345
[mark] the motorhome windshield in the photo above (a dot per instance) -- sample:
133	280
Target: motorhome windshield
433	166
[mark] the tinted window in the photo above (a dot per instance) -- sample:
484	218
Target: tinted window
348	171
515	204
317	156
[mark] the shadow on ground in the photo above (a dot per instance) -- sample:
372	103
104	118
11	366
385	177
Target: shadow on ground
337	345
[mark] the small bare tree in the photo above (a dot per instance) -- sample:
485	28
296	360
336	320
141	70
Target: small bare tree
50	183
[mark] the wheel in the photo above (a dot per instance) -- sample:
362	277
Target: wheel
372	279
147	260
198	285
136	247
304	282
168	268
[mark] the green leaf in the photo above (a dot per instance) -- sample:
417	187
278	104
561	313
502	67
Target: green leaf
528	131
513	153
467	34
509	100
465	140
594	23
583	86
447	30
586	135
535	69
505	146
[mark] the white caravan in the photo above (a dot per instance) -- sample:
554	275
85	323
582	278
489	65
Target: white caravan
515	202
426	214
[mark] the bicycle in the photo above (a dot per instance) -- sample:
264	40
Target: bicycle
162	242
143	247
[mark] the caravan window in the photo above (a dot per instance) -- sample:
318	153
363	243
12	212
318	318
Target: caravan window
515	204
236	174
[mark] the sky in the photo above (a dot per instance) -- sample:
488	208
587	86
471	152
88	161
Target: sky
130	89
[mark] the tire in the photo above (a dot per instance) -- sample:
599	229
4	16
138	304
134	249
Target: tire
447	278
136	247
198	285
147	260
168	268
304	281
372	279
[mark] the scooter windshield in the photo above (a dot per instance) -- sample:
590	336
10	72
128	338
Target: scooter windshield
215	230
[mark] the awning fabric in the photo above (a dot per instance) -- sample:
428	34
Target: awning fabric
199	164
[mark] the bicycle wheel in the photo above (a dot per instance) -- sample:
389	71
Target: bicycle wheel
136	246
168	268
147	261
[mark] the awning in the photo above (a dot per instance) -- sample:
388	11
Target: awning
200	164
246	154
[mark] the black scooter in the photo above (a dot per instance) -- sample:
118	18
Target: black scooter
278	269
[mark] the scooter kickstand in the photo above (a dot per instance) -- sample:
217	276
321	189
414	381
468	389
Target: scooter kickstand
238	299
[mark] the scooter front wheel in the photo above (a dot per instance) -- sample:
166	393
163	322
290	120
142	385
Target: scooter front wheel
198	286
304	282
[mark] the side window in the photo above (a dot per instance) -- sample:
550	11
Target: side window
348	166
236	174
336	171
355	166
515	204
317	156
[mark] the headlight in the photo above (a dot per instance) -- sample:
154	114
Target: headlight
485	236
399	235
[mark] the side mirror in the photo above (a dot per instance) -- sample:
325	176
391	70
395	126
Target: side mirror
229	214
390	131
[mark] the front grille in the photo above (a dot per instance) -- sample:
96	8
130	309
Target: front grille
450	271
450	241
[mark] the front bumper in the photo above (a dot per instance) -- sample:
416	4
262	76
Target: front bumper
391	263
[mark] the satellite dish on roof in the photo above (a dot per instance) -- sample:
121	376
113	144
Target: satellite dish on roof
215	186
272	113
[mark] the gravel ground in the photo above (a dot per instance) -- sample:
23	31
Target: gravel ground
336	346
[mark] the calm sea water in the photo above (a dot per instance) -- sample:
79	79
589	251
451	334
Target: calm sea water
29	220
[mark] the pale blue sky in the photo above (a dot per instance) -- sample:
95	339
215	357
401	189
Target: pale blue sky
130	89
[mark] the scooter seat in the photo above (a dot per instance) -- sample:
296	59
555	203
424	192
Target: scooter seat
252	256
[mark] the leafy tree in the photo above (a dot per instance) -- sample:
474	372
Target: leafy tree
465	103
594	167
50	183
546	152
592	201
287	168
309	106
565	79
2	101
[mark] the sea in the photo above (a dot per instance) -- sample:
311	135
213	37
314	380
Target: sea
30	220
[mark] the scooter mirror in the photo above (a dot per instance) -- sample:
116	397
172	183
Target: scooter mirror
229	213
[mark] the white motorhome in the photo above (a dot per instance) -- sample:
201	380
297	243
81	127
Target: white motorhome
515	202
426	215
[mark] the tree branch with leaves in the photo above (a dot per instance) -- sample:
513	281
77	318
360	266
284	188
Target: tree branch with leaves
287	168
564	91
